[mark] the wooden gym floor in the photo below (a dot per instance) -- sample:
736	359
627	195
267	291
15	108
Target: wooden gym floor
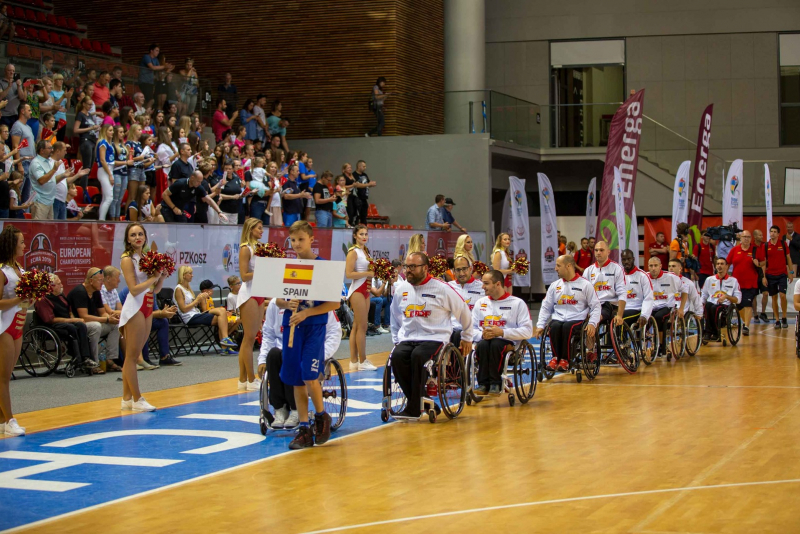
706	444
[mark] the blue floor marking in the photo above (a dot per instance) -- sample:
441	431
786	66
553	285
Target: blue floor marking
44	475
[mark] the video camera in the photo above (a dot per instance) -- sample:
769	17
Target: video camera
723	233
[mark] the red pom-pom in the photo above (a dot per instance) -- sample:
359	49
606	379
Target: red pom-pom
521	266
479	268
153	263
269	250
383	269
437	266
33	285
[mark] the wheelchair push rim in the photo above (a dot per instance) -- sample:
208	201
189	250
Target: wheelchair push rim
41	351
734	325
452	381
525	372
677	336
625	347
545	355
590	358
649	341
694	334
334	392
394	400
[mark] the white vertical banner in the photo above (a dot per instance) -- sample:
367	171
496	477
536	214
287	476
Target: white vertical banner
633	236
733	196
680	196
591	209
768	196
549	230
516	224
619	209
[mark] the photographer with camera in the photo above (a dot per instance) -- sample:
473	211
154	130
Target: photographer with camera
679	250
744	260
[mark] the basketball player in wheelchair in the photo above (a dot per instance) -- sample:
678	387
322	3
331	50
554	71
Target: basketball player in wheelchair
721	293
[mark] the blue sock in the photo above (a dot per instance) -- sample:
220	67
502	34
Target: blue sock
319	414
305	424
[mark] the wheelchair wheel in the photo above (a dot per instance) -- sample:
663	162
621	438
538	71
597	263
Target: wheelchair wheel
394	400
472	378
677	336
525	372
625	347
590	355
694	334
41	351
334	392
545	355
734	325
649	341
266	418
451	378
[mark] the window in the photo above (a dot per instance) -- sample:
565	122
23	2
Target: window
791	186
789	46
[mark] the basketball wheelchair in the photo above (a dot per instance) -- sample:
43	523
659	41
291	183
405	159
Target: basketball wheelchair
445	377
727	318
519	374
581	359
334	398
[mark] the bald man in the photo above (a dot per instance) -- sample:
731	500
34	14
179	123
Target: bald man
608	279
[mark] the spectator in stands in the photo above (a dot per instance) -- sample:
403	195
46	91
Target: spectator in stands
85	303
352	199
434	220
293	197
362	185
115	93
21	131
277	123
6	24
61	102
121	164
376	104
447	214
33	97
190	87
139	104
148	67
110	113
17	208
194	309
43	181
12	91
660	249
105	168
180	193
323	200
248	118
70	73
220	122
181	167
141	209
47	67
227	92
230	195
261	119
86	129
101	93
54	311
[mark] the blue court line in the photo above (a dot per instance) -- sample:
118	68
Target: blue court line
66	470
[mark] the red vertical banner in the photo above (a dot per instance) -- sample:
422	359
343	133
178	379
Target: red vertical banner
623	153
695	220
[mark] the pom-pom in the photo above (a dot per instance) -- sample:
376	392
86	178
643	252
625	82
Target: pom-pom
479	268
437	265
153	263
383	269
269	250
521	266
33	285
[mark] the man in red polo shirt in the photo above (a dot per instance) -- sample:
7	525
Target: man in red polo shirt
705	251
583	258
101	92
660	249
741	258
774	258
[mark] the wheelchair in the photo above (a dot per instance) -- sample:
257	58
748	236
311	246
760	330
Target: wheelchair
727	317
581	360
446	378
617	345
694	332
675	335
334	398
43	352
647	339
519	372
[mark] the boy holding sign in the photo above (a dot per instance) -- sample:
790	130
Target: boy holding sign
304	329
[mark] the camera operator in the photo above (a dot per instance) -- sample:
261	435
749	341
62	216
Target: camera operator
726	237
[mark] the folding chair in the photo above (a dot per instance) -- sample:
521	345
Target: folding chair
188	340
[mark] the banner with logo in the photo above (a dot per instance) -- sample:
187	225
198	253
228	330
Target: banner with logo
768	197
622	153
695	219
516	224
549	230
619	214
732	195
591	209
680	212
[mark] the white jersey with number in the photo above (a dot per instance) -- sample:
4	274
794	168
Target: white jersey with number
665	286
470	292
509	313
607	280
639	292
570	300
272	332
423	312
715	287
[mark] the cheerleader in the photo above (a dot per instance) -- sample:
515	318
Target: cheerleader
251	309
136	318
12	321
500	258
416	244
464	248
357	270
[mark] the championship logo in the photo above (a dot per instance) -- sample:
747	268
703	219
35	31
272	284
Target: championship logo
41	255
734	184
549	255
440	248
681	186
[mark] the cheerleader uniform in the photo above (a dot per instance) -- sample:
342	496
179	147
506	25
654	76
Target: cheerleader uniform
143	302
505	264
360	285
12	320
245	292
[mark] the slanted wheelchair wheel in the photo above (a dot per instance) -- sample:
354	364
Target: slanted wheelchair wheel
694	334
590	355
41	351
545	355
677	336
625	347
648	341
525	372
472	379
734	325
394	400
334	392
451	379
266	418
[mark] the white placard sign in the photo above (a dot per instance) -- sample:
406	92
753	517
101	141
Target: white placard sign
291	278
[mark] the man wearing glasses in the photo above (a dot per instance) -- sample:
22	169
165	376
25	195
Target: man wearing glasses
468	287
421	324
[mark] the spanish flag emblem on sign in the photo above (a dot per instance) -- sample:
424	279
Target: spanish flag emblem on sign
298	274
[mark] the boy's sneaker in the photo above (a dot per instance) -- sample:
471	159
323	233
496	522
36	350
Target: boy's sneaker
763	317
142	406
293	420
784	324
303	440
255	385
227	342
777	325
323	428
229	351
366	365
280	417
12	428
755	319
355	366
745	331
169	360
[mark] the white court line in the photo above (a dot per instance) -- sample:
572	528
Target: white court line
553	501
711	386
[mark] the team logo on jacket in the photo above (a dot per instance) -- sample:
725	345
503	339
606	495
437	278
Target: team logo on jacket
567	300
601	285
719	294
493	320
416	310
659	295
632	294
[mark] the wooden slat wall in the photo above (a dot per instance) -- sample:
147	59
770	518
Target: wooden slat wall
321	58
